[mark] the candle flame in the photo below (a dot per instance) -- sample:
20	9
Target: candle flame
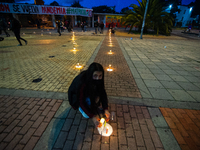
78	66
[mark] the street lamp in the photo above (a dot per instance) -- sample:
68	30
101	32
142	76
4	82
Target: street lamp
145	13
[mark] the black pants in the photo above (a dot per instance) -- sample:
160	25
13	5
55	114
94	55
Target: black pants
59	31
7	34
17	35
101	31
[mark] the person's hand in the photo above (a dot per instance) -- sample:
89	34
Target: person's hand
107	114
95	121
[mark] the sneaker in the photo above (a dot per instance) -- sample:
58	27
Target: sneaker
19	45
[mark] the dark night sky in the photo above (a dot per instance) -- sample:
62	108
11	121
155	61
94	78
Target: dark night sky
91	3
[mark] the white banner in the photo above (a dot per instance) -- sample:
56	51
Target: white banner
42	9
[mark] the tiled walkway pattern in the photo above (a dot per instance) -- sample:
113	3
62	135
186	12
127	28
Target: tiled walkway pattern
165	69
132	129
23	120
185	125
120	81
20	65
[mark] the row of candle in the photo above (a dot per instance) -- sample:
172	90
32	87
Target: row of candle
110	52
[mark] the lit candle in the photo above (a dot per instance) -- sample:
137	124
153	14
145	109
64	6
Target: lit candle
110	52
109	69
102	120
78	66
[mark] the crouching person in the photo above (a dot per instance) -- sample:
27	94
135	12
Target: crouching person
87	93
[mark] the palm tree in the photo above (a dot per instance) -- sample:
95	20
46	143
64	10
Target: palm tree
156	18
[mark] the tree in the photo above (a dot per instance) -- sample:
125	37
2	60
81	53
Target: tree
124	10
54	3
76	4
174	7
39	2
7	1
104	9
156	18
195	12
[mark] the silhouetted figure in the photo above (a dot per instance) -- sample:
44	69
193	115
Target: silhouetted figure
102	26
3	26
16	29
59	27
96	27
82	26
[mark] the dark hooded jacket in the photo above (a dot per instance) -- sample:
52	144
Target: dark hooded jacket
78	92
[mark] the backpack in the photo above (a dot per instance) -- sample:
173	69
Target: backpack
73	92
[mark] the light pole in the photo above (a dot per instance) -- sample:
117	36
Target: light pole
145	13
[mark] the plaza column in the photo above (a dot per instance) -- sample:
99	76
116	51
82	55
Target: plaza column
104	21
93	20
99	19
89	22
75	20
53	21
72	20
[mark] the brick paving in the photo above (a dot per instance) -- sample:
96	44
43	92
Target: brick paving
120	81
132	129
185	126
23	120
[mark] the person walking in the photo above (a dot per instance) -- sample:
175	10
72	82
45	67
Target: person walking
87	93
82	27
16	29
1	38
3	26
96	27
59	27
102	26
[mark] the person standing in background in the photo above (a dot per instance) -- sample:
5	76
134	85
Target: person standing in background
3	26
102	26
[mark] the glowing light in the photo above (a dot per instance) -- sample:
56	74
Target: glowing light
190	8
109	69
78	66
104	128
110	52
102	120
170	6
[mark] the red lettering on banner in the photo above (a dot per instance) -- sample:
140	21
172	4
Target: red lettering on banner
44	9
64	12
58	10
48	9
4	7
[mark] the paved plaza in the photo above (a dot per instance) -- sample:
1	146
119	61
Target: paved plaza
153	90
